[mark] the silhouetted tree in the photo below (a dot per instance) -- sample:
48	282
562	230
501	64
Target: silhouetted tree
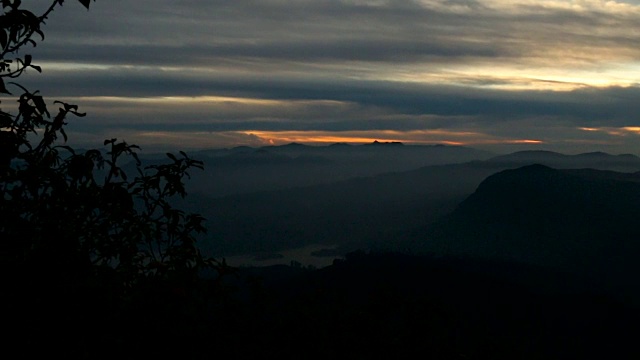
75	220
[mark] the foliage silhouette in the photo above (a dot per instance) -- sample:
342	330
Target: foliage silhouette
74	223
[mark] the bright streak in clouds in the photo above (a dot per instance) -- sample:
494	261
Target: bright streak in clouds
622	131
409	137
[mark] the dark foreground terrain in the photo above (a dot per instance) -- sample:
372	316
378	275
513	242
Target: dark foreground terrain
368	305
533	262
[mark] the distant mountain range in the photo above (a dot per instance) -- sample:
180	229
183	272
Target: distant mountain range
386	210
594	160
245	170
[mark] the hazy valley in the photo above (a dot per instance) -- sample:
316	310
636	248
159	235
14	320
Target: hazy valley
392	196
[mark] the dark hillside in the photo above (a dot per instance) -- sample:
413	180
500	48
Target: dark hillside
583	221
403	306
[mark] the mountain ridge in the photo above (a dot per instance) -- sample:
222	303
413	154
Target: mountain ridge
583	221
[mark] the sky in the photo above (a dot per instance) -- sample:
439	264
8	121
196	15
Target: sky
496	75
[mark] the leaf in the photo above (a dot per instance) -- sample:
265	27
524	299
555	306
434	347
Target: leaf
21	87
135	156
39	32
67	107
3	39
64	134
85	3
3	89
68	148
13	34
40	105
78	114
5	120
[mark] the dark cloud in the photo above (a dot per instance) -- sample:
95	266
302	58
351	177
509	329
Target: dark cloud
506	69
586	106
315	50
191	33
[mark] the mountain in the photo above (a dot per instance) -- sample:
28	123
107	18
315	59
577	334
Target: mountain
245	170
581	220
595	160
390	210
358	212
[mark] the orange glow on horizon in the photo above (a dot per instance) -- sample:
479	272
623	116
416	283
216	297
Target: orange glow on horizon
259	138
319	137
461	138
322	139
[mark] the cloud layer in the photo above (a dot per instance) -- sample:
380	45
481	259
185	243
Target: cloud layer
224	73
